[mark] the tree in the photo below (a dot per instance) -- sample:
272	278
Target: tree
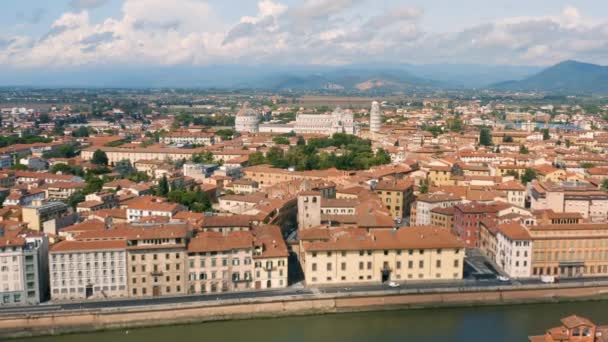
81	132
424	187
528	176
75	198
507	139
256	158
301	141
523	149
225	134
605	184
485	137
124	168
60	167
546	135
163	187
512	173
19	167
94	184
280	140
99	158
203	158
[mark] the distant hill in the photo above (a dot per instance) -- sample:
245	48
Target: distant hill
570	77
363	80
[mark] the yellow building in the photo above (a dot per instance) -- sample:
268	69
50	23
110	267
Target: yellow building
440	175
354	255
570	250
443	217
116	154
397	196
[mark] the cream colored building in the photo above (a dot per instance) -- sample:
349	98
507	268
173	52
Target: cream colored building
270	258
116	154
95	269
352	255
157	260
570	250
220	262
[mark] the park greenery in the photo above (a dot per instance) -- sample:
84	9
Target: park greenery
355	154
8	140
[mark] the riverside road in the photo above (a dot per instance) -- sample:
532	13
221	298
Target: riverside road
298	292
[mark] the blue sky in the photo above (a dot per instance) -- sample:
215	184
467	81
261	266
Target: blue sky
70	33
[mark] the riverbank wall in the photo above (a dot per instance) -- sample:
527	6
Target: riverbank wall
61	322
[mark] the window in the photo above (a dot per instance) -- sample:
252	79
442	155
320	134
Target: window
343	266
410	264
329	266
456	263
398	265
314	267
369	265
361	265
438	264
421	264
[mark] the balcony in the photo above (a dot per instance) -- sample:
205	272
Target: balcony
156	273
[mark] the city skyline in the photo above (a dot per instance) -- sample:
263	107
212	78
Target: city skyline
77	33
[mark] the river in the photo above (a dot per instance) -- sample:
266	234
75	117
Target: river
496	323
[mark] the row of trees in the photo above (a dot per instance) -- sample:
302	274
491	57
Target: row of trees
195	199
356	154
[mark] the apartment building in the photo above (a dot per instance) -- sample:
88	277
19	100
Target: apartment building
439	175
83	269
396	195
514	250
50	214
156	257
570	250
425	203
570	197
148	206
185	137
443	217
24	268
467	220
220	262
266	176
515	191
62	190
270	258
353	255
116	154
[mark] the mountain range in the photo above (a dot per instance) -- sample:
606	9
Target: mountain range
569	77
566	77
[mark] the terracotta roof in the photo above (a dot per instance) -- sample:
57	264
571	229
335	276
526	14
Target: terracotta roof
217	241
271	242
574	321
226	221
419	237
89	245
514	231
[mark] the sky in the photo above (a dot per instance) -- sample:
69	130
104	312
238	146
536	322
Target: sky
66	34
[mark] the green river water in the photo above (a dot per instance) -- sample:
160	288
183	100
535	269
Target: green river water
496	323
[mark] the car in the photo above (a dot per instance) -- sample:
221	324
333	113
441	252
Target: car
503	278
393	284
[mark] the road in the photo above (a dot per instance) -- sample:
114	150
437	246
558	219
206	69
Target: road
294	291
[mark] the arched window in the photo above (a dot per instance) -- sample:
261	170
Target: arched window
314	200
576	332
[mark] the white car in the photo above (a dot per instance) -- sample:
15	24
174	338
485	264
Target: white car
393	284
503	278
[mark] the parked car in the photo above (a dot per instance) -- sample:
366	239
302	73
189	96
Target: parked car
547	279
393	284
503	278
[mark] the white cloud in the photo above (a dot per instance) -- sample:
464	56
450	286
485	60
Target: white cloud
317	31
